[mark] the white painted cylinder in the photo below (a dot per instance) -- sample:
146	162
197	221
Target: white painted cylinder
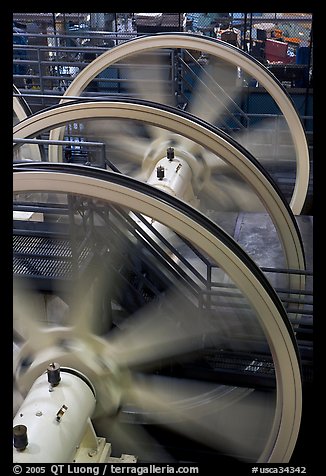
50	440
177	177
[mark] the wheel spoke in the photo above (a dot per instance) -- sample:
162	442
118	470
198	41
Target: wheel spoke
149	77
28	313
162	330
229	193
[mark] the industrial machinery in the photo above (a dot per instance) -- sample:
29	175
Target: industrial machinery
135	287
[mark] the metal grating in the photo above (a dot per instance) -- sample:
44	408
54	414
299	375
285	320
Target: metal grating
37	256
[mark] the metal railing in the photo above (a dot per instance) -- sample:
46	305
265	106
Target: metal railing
61	36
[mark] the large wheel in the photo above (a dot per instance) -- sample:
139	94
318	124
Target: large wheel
103	359
217	49
207	136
